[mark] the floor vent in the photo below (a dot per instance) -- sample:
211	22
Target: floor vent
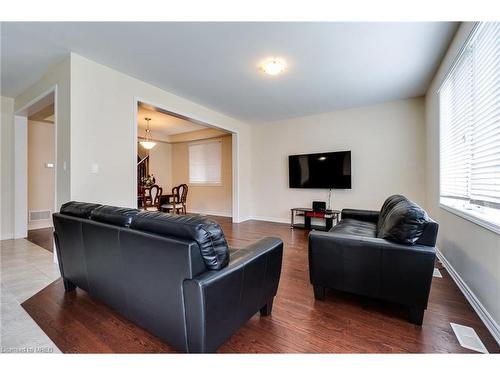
468	338
39	215
437	273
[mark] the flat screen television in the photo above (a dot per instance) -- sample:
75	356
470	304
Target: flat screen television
328	170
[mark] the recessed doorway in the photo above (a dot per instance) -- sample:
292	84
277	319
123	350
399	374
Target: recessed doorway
174	151
35	170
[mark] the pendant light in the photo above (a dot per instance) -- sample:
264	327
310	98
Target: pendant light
148	144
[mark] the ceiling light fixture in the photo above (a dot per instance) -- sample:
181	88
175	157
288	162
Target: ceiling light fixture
148	144
273	66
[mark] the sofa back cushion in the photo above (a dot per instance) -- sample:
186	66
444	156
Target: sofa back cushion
120	216
78	209
387	207
208	234
403	223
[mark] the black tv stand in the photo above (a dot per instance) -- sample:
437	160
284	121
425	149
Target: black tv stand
329	216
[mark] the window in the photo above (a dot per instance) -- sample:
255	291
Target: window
469	101
205	163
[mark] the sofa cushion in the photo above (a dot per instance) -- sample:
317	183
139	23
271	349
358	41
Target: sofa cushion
404	223
120	216
387	207
208	234
78	209
356	228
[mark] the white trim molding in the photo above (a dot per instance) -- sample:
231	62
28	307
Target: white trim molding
262	218
478	307
241	219
271	219
474	217
7	236
212	213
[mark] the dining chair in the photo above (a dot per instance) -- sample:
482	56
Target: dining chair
151	198
178	202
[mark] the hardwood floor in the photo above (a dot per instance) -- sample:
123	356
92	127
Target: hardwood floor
342	323
42	237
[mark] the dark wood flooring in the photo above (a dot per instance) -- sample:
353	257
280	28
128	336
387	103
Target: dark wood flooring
42	237
342	323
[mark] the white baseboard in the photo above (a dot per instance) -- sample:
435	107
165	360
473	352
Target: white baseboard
478	307
241	219
271	219
7	236
40	224
213	213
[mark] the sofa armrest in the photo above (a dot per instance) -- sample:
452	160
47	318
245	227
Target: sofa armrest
217	303
372	266
364	215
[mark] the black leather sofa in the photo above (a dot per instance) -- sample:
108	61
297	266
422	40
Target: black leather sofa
173	275
387	254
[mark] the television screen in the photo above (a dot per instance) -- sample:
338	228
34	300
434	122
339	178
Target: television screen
329	170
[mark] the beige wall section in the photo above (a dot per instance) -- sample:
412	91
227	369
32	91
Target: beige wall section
473	251
196	135
387	144
7	168
214	200
160	165
103	123
41	183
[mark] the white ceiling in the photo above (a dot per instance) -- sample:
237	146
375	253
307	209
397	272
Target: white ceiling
331	65
163	125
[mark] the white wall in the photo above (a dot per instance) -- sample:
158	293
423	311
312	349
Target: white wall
102	132
387	144
7	168
473	251
41	184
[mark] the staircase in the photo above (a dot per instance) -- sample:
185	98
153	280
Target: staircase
142	170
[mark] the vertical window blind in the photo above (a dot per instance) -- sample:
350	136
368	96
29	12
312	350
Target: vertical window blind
205	163
469	101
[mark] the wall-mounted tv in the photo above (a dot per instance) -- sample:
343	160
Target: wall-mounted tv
328	170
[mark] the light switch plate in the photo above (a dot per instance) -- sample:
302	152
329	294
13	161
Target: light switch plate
94	168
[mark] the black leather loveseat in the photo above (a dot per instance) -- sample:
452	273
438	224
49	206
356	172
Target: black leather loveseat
173	275
387	255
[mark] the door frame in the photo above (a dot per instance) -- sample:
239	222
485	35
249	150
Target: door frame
21	162
235	207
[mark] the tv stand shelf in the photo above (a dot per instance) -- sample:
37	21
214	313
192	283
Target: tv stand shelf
329	216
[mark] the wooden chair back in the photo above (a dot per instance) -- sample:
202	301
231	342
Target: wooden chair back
183	192
151	196
179	194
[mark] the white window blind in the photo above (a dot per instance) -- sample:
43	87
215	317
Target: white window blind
205	163
469	102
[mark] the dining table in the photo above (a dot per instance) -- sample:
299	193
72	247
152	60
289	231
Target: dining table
164	199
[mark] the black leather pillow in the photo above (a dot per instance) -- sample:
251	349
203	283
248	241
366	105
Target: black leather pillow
404	223
208	234
120	216
78	209
387	207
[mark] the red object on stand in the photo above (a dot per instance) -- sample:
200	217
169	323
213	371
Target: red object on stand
315	214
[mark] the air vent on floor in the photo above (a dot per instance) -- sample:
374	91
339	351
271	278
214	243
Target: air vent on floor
39	215
468	338
437	273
